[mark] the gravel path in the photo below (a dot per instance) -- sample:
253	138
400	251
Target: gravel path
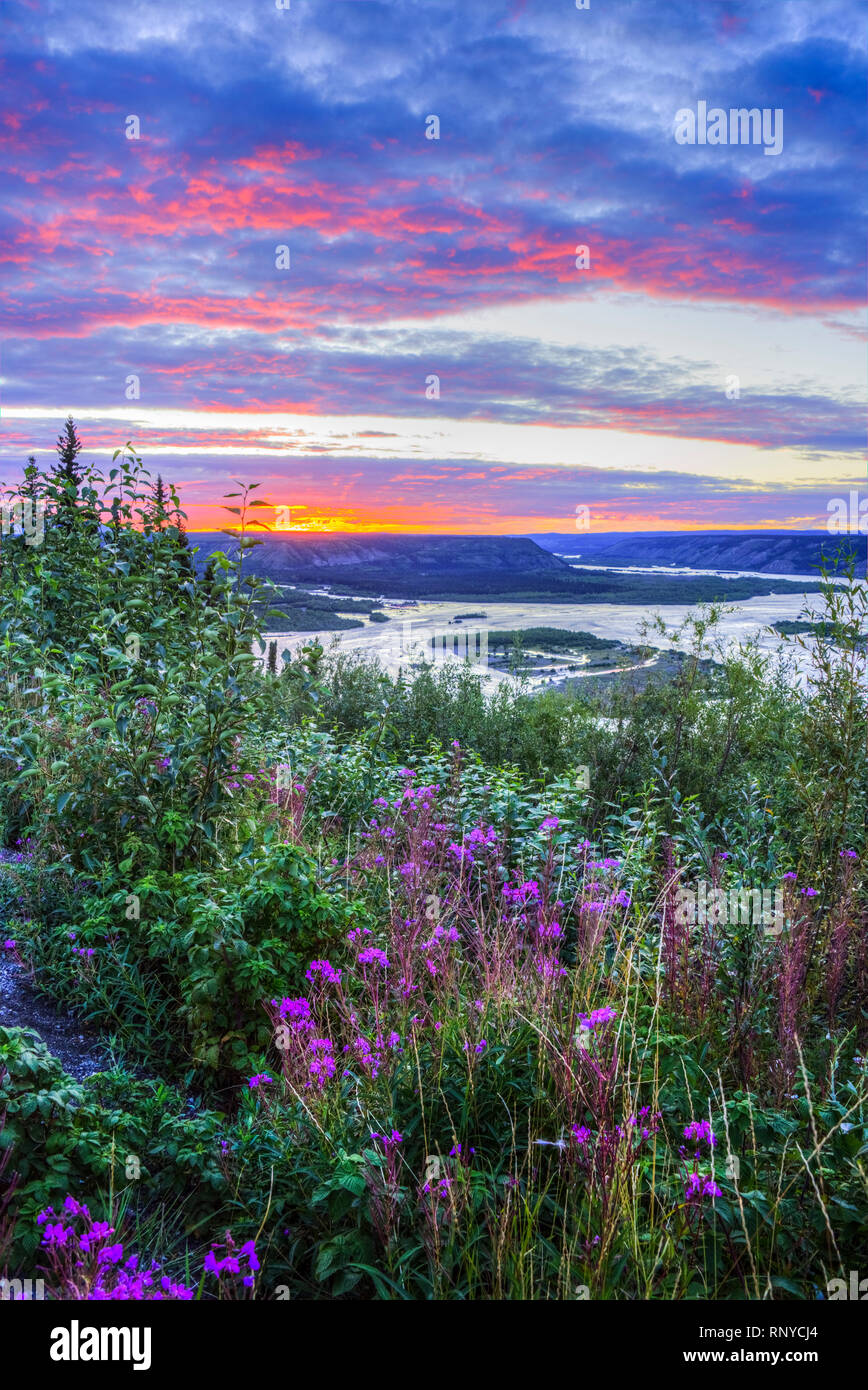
76	1046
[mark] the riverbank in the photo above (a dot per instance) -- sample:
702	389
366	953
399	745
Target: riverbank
392	642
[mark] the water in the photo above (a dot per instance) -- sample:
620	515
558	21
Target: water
711	574
749	619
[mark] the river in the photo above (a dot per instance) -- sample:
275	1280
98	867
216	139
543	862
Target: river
407	627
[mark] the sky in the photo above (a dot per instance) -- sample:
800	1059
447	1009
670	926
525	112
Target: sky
445	265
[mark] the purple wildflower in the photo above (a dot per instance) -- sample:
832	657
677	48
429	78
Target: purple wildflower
700	1130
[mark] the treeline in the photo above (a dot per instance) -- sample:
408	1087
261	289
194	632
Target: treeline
591	586
550	639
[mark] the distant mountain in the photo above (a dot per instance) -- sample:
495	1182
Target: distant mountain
464	569
769	552
293	556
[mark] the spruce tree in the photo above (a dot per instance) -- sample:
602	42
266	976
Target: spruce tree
161	497
67	473
183	543
31	475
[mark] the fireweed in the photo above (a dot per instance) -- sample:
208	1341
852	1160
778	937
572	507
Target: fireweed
699	1186
235	1270
478	989
467	967
472	955
87	1261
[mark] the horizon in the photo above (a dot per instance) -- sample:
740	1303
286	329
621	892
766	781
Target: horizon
529	535
405	296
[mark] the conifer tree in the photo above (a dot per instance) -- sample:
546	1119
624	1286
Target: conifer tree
161	497
31	475
183	543
67	472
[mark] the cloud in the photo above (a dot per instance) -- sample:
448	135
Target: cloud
384	371
306	128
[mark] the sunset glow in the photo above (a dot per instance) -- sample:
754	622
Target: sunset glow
293	282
